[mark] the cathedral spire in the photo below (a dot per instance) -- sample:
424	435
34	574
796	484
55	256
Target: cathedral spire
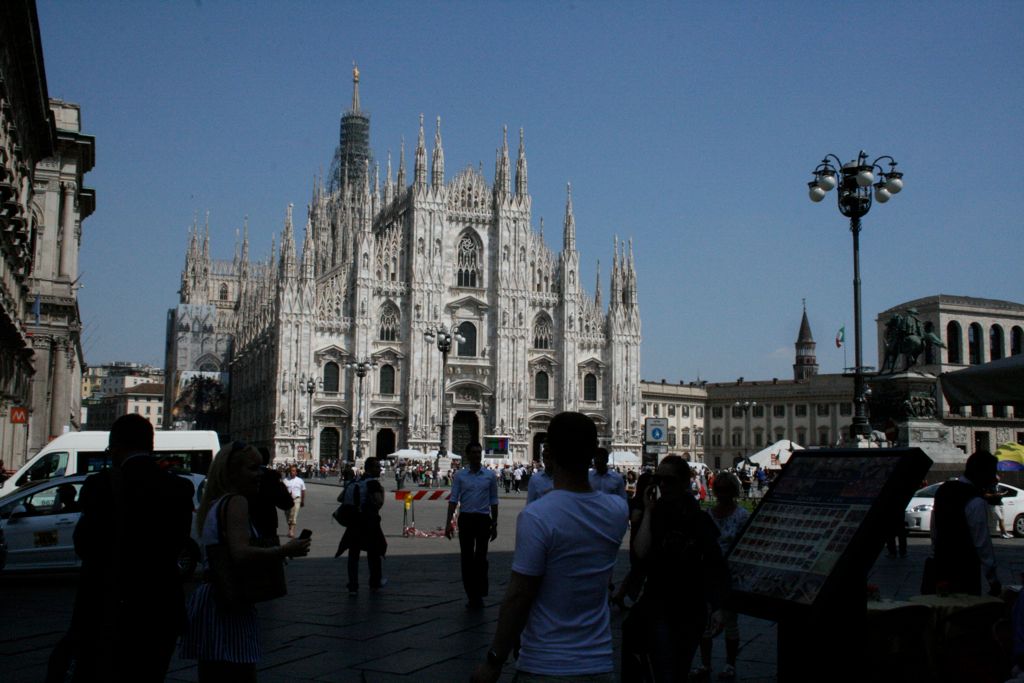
521	168
597	287
355	87
245	246
437	173
389	188
501	171
288	257
420	168
206	239
616	276
569	228
542	228
308	247
400	183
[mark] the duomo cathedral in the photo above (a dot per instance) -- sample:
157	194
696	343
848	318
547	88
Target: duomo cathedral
380	265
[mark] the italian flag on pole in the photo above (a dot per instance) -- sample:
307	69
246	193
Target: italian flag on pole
840	336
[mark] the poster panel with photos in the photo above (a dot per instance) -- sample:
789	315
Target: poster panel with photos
799	533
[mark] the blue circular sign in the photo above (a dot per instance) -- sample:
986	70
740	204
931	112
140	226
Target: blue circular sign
656	433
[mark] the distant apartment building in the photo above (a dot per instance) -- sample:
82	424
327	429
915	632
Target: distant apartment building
683	406
114	378
142	399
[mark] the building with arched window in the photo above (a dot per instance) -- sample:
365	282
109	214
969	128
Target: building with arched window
384	260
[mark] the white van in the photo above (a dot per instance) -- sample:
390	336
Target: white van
85	452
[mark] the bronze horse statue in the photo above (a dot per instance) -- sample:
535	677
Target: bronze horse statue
904	335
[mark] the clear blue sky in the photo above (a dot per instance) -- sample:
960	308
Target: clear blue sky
691	127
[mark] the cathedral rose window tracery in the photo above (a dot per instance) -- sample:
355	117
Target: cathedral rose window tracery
542	332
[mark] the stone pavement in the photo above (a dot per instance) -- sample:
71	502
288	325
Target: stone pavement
416	628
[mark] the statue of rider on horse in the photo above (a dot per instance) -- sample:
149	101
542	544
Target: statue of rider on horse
905	335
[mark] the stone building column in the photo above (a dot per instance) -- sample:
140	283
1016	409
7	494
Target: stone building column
39	420
60	397
67	249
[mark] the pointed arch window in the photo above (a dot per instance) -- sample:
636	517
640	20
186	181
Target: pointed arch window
468	347
540	386
223	292
542	332
469	263
389	323
331	377
590	387
387	380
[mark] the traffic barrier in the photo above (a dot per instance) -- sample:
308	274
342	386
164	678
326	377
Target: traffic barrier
424	494
409	516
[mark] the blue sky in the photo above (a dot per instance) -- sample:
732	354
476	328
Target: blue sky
690	127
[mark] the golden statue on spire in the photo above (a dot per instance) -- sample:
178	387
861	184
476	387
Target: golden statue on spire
355	73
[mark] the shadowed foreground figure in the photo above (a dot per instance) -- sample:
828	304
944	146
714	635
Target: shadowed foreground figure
135	520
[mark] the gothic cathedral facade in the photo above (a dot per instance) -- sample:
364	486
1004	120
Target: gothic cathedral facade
380	267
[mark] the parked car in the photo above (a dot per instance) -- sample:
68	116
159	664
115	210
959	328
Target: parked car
918	515
37	523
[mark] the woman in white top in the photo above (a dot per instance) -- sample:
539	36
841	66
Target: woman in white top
225	639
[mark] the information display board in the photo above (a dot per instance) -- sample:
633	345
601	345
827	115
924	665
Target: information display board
825	516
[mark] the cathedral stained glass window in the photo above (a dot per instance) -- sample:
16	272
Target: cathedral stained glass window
389	324
468	272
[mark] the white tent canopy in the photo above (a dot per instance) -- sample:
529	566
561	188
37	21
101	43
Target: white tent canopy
776	455
623	459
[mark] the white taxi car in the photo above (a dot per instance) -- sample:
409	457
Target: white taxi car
918	515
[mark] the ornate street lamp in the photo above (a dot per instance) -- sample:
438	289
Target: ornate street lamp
309	385
855	180
360	367
745	406
444	339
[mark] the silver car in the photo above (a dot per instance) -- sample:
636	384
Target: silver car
918	515
38	521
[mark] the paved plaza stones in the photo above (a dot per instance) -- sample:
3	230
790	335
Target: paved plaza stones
416	628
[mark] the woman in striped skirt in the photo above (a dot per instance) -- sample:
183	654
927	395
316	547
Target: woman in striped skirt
225	638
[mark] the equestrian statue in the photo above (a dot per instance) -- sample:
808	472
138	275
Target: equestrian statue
905	335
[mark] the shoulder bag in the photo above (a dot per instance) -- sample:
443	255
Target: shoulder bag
238	583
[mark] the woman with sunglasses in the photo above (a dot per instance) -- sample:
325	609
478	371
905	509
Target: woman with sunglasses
678	550
224	638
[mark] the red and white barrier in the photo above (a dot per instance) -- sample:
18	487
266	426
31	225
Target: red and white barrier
423	494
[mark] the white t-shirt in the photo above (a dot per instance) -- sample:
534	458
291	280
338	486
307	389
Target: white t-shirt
295	486
571	540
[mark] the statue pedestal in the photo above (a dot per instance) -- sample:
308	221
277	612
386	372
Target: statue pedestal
935	439
903	406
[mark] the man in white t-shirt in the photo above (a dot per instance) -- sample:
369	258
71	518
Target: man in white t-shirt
566	546
297	489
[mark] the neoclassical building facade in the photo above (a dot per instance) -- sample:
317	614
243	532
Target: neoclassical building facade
380	265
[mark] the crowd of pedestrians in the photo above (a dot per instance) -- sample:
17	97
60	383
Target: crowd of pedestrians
130	610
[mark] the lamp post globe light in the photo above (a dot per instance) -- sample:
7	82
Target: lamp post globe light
309	385
444	338
855	181
360	367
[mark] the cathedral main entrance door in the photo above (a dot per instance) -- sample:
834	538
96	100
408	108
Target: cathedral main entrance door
385	445
538	444
329	441
465	428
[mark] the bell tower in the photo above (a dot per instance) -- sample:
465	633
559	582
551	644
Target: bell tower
806	363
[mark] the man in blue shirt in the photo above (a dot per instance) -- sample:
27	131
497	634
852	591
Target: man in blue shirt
475	490
605	480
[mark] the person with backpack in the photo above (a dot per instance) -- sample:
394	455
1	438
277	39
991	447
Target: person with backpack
361	501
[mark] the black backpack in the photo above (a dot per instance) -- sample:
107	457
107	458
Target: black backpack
347	513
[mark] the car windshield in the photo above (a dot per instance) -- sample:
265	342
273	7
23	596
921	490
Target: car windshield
927	491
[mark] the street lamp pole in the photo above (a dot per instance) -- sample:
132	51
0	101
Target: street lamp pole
444	339
309	385
361	367
855	180
745	406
